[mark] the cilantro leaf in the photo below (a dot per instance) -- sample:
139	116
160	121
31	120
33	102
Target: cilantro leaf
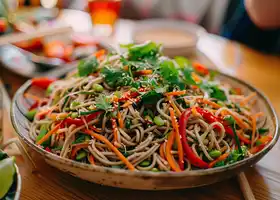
182	61
188	79
170	73
103	103
86	67
214	91
148	51
151	97
116	77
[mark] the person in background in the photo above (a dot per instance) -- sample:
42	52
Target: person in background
255	23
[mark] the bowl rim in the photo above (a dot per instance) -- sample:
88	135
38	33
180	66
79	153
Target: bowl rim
148	174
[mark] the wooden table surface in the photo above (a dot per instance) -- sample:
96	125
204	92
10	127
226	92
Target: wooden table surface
261	70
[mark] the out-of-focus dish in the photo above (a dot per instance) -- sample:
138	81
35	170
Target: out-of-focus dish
177	37
145	112
10	184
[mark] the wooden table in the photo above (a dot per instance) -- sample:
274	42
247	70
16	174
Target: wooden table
261	70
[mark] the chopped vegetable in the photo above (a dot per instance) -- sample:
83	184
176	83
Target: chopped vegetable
43	132
31	114
42	82
151	97
97	87
116	77
263	130
145	163
194	160
103	103
215	153
158	121
81	155
88	66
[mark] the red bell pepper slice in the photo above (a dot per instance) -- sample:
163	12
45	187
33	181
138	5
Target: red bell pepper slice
42	82
210	118
201	69
194	160
80	122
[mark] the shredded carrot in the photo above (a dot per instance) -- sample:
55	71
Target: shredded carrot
99	53
239	121
195	77
43	139
115	131
254	127
208	102
161	150
174	166
31	96
59	116
126	104
259	114
144	72
178	112
221	158
77	148
125	68
112	147
177	137
242	137
175	93
194	111
247	99
91	159
120	120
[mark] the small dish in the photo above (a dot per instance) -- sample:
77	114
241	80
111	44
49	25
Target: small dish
177	37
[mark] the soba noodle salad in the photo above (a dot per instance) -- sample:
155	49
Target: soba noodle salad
143	111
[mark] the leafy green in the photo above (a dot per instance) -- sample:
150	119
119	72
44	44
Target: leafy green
87	67
263	130
7	171
103	103
214	91
182	62
170	74
151	97
220	163
116	77
188	76
235	155
148	51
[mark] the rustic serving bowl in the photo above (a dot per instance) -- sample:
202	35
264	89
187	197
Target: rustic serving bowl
146	180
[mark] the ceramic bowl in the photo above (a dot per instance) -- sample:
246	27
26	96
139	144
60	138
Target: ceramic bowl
146	180
166	31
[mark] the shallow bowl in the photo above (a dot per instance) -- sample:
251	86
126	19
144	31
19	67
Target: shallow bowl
147	180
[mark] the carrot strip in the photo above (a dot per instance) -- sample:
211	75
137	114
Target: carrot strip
91	159
112	147
99	53
115	130
144	72
43	139
221	158
31	96
55	116
120	120
161	150
254	127
178	112
208	102
177	137
195	77
175	93
126	104
174	166
77	148
247	99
